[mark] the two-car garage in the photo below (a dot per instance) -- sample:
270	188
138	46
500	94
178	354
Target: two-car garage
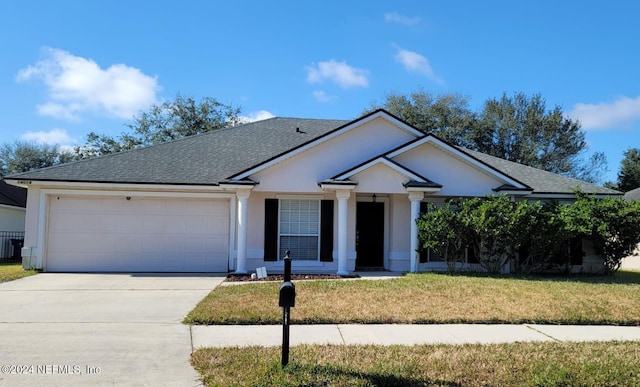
136	234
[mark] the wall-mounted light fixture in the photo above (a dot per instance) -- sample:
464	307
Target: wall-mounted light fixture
128	197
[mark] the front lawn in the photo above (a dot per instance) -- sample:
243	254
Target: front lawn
518	364
11	271
427	298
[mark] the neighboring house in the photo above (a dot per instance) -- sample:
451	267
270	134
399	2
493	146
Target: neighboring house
633	262
13	201
634	194
339	195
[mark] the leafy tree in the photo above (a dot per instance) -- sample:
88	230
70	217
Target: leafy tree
182	117
102	144
532	236
493	226
545	245
22	156
516	128
612	225
497	226
447	116
523	130
592	169
629	174
442	230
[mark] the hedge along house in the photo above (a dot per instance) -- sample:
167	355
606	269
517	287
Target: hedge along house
340	195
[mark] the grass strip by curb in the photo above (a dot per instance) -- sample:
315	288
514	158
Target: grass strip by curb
516	364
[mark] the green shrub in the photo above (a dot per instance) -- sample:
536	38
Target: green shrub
532	236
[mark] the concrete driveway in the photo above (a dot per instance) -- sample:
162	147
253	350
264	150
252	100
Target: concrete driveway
102	329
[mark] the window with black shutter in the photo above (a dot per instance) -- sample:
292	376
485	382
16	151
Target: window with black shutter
302	226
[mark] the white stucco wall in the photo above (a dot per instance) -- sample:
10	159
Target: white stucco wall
380	179
31	218
399	232
457	177
303	172
31	257
12	218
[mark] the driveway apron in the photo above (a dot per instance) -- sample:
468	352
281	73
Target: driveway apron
61	329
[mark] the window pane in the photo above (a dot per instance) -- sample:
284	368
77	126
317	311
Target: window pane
303	248
299	228
299	217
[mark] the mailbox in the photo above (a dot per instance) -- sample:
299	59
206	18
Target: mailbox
287	295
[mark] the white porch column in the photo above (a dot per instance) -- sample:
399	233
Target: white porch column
343	196
415	198
241	251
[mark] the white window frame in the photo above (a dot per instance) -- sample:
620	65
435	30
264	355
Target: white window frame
316	235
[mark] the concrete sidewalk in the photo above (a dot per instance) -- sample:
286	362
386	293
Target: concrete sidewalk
404	334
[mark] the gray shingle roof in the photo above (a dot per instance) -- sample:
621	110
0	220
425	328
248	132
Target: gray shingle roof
541	181
204	159
634	194
211	158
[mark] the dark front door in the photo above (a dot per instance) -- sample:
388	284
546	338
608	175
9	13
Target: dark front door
370	235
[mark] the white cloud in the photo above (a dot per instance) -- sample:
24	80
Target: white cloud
256	116
52	137
58	137
619	113
65	112
77	85
322	96
416	63
394	17
339	73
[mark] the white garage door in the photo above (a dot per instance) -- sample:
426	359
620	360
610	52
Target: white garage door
113	234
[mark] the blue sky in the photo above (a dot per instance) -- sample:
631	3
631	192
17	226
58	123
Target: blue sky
71	67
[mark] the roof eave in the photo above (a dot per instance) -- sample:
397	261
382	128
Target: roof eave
419	186
238	184
71	184
330	185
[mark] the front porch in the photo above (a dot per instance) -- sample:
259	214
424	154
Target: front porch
367	232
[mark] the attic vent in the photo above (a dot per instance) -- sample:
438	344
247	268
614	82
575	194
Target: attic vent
299	131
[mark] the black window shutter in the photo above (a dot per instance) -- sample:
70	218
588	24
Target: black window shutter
326	231
271	230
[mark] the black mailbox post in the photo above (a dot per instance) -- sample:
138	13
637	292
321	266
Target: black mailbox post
287	295
287	300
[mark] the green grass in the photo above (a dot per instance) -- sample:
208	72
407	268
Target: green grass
433	298
518	364
12	271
